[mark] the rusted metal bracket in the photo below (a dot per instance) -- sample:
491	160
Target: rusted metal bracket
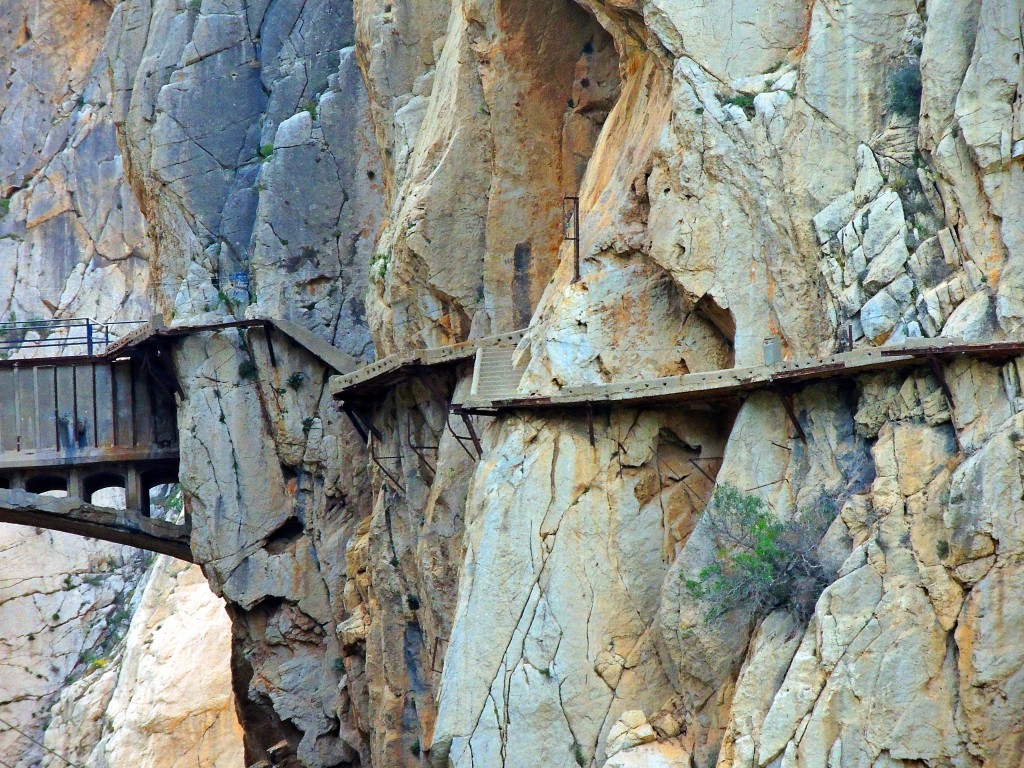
420	450
377	460
268	333
701	469
366	429
940	375
463	439
786	398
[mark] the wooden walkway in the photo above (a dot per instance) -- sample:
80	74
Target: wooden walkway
736	382
497	378
81	423
368	383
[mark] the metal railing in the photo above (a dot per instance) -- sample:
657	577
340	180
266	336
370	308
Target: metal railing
78	335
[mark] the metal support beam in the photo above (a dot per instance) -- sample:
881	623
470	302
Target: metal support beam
354	418
420	450
787	403
377	460
268	334
472	437
940	375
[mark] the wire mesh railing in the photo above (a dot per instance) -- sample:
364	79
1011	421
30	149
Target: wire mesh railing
73	335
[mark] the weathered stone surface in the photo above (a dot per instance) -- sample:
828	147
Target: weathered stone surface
742	173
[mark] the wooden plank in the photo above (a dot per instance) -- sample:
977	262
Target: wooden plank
145	427
27	422
66	415
124	404
8	410
85	404
104	411
46	407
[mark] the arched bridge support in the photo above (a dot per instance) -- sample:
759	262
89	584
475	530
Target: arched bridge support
72	515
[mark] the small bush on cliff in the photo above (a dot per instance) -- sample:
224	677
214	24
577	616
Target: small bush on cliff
762	563
905	91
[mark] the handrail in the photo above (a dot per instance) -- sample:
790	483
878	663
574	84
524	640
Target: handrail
82	332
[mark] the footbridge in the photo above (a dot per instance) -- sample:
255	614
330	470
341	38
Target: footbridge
103	415
498	376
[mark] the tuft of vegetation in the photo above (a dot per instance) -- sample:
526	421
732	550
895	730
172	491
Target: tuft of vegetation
742	100
339	665
379	264
247	369
5	206
266	151
311	107
413	602
762	563
414	748
195	5
905	90
296	380
577	752
942	548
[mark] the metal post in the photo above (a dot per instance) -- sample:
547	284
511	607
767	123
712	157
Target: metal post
88	336
575	235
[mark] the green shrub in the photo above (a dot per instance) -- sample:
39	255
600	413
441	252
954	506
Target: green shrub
761	563
743	100
5	206
296	379
266	151
414	748
905	90
247	369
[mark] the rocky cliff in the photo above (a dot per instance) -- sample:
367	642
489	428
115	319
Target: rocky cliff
390	174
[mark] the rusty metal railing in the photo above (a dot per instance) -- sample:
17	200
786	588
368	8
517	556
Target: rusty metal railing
75	335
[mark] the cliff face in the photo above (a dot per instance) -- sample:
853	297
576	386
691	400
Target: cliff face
390	175
95	639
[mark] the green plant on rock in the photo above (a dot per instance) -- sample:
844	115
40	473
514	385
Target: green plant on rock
5	206
379	264
761	563
247	369
905	90
296	380
266	151
744	101
577	752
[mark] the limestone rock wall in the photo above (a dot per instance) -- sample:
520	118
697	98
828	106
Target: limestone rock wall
74	243
390	174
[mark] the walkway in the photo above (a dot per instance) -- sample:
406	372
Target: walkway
729	383
108	418
497	377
